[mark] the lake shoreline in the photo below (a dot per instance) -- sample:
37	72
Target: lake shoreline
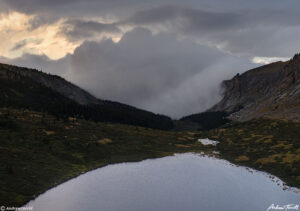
249	168
205	174
265	145
40	151
272	177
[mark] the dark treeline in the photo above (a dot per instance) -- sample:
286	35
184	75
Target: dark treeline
208	120
21	92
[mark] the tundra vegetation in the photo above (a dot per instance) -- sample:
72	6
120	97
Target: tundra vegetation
39	150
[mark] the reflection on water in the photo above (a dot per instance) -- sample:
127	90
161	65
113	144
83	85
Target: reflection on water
180	182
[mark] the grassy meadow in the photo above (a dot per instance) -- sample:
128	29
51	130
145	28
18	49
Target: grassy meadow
39	151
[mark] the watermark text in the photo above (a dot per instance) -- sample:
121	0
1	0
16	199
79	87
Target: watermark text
283	207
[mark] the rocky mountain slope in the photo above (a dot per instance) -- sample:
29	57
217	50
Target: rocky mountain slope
35	90
271	91
54	82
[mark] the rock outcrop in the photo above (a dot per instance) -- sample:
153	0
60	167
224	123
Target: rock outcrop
270	91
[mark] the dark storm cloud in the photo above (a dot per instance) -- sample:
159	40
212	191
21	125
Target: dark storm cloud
79	29
24	43
249	28
176	71
244	32
41	20
180	17
19	45
154	72
206	19
69	8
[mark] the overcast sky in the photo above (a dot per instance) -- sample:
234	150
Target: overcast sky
167	56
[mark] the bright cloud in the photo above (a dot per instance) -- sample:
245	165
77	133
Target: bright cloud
167	56
268	60
17	37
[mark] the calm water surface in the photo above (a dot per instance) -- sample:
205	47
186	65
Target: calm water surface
180	182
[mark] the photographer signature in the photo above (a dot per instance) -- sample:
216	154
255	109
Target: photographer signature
284	207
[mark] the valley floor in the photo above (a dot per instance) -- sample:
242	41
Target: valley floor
39	151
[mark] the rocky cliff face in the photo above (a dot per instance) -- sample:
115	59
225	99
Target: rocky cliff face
270	91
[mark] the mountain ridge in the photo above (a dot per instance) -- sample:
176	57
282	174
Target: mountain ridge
32	89
270	91
56	83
